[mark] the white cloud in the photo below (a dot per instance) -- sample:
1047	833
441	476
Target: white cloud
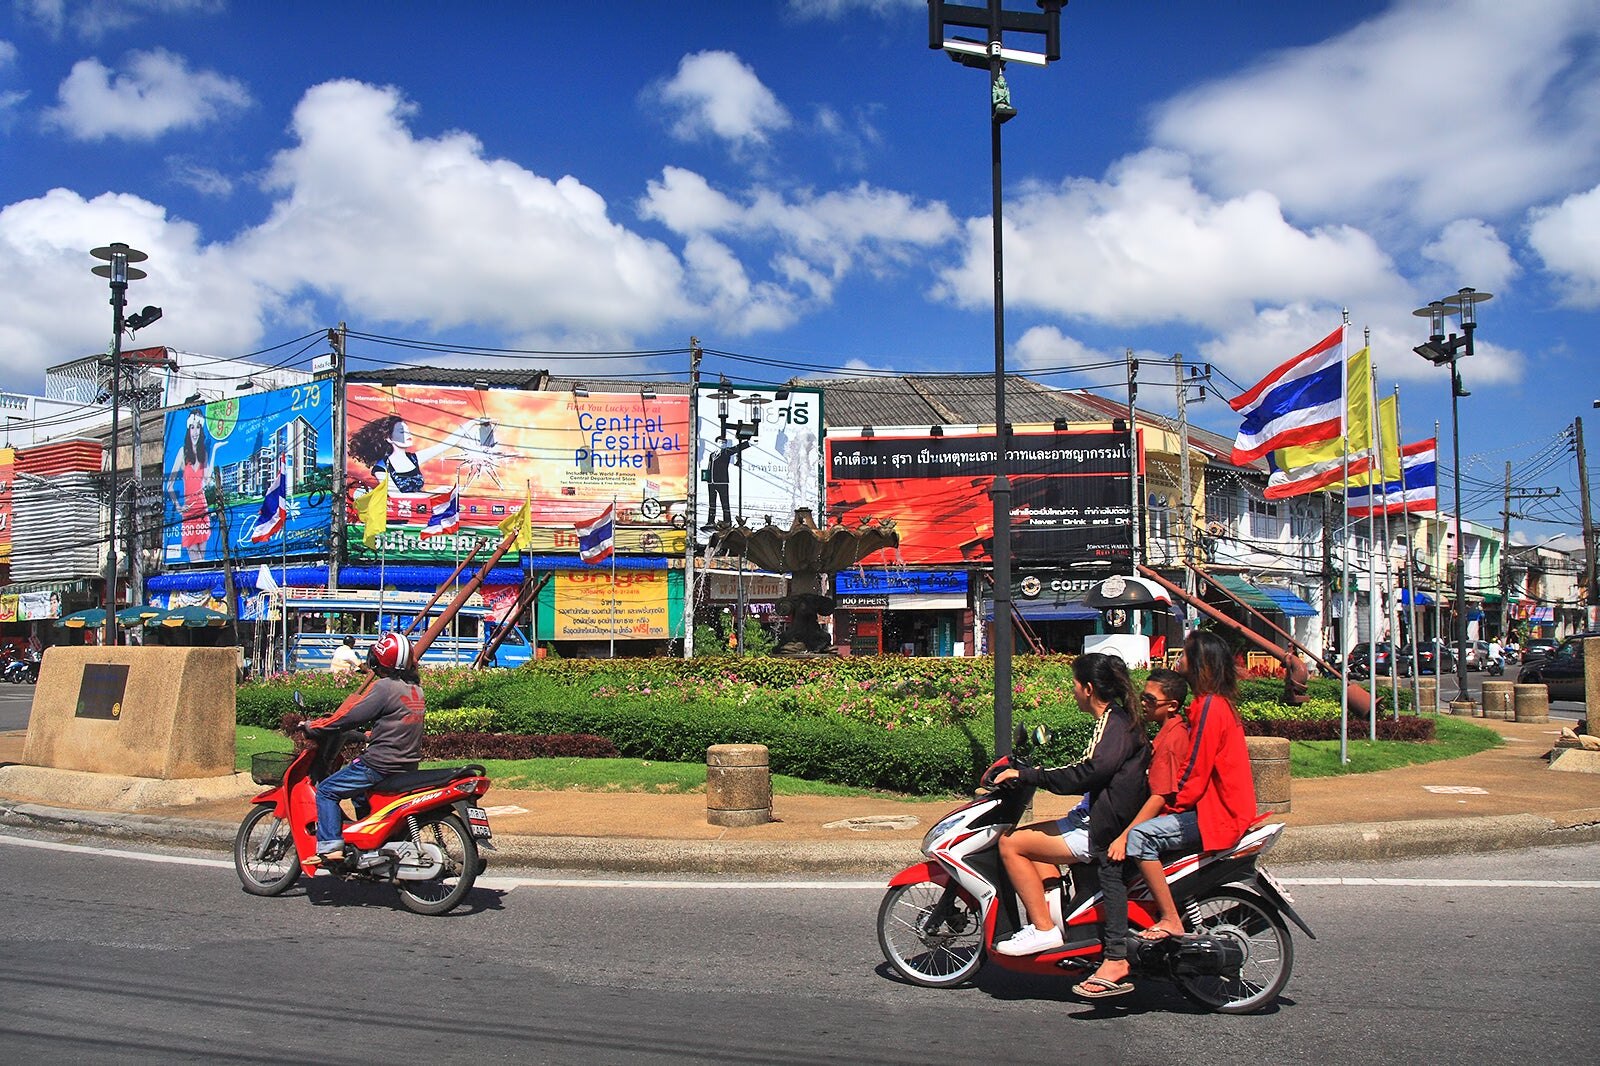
52	309
1147	246
1430	111
1469	248
94	19
1046	346
406	229
1567	238
836	9
8	54
156	93
714	93
207	181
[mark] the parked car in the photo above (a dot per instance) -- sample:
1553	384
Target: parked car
1560	671
1361	654
1537	648
1432	657
1477	655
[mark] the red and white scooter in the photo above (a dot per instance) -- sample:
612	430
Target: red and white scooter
940	917
422	835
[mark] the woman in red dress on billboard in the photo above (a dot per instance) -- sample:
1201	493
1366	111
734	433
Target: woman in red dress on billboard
186	487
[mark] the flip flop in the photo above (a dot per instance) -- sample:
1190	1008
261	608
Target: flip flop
1100	988
1156	935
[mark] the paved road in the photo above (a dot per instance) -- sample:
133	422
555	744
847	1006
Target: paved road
106	958
15	703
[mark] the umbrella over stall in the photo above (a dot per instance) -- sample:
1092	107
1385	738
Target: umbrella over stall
93	618
194	617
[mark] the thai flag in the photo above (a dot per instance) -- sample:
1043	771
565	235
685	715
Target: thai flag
596	537
1417	489
443	517
274	510
1299	403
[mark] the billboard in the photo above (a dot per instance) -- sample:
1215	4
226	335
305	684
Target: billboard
572	454
222	458
1070	504
758	453
7	478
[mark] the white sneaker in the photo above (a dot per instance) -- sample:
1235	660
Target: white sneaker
1031	941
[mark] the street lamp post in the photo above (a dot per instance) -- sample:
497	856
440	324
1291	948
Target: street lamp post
991	55
115	268
746	432
1442	351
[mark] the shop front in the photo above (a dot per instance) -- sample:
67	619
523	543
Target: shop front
1050	602
903	612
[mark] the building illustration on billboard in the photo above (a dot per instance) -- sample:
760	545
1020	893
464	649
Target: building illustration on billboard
570	454
222	458
1071	502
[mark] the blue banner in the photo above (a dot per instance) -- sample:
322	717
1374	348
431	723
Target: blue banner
899	582
222	458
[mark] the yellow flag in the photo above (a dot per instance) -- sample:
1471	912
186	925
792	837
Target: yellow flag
1389	446
373	507
521	523
1358	424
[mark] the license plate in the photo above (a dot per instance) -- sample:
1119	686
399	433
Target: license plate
478	821
1277	886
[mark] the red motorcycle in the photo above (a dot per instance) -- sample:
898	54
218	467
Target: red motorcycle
419	830
940	919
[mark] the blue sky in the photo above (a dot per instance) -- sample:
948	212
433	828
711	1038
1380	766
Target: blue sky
808	183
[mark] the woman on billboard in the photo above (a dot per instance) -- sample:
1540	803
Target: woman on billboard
186	486
387	444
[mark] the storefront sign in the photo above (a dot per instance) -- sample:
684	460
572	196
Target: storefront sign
1070	503
899	582
33	606
7	479
725	587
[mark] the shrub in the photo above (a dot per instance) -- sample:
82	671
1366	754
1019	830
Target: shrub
446	746
458	720
1407	728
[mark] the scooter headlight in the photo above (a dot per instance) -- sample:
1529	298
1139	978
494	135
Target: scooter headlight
944	826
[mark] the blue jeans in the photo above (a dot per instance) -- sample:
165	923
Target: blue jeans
356	778
1165	832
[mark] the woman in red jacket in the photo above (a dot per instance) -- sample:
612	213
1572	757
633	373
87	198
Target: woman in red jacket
1216	800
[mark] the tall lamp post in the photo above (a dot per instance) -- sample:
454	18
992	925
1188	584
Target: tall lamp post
991	55
115	268
1445	351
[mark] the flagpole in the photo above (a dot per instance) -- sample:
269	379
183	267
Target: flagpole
1372	546
1438	600
1391	613
283	587
1344	550
1411	585
613	578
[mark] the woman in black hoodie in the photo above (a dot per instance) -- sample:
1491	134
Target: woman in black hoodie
1112	771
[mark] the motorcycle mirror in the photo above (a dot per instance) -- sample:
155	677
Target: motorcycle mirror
1041	735
299	700
1019	737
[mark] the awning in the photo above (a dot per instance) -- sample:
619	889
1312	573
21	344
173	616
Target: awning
1071	611
1245	591
1422	598
1288	602
66	588
1494	597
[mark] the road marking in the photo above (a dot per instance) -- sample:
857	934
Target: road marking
116	853
1433	882
507	884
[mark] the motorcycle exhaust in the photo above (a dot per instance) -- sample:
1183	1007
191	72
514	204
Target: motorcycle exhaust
1206	956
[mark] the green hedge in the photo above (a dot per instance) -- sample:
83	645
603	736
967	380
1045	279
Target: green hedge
902	724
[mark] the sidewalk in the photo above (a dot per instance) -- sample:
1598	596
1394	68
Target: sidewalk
1503	798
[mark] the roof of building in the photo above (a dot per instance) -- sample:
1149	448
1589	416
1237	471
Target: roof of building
514	378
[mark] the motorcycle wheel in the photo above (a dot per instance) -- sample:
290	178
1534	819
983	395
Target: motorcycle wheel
441	894
1256	926
934	958
264	854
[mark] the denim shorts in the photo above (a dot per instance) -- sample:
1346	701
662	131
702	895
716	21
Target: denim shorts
1165	832
1075	833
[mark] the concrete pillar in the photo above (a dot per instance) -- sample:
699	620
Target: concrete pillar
1464	709
1269	769
1532	703
1591	680
1498	700
1427	695
738	785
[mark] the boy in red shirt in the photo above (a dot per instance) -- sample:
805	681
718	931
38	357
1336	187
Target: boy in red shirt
1162	702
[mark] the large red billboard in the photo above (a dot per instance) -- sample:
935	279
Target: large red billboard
1071	502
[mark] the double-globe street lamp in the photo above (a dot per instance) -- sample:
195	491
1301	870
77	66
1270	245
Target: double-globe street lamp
991	55
115	267
1445	351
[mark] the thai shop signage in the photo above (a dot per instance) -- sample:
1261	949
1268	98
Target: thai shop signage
8	465
1071	501
897	582
572	455
243	442
595	604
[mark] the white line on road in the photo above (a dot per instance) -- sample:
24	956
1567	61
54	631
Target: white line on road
506	884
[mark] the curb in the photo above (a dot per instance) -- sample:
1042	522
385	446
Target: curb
1353	842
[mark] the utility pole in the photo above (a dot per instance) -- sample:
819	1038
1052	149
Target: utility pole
691	514
1327	575
1588	518
1137	512
231	608
336	343
1505	559
1185	507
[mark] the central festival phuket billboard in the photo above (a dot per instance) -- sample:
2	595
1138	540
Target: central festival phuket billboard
1070	496
572	455
220	459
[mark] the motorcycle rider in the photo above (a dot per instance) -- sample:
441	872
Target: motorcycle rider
1113	772
391	700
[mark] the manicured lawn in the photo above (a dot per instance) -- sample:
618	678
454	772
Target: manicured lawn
1454	738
